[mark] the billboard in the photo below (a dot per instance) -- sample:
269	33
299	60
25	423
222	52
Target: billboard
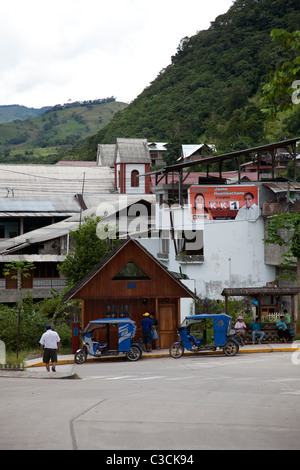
228	202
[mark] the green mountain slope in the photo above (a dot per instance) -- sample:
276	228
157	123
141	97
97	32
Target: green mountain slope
13	112
59	126
210	90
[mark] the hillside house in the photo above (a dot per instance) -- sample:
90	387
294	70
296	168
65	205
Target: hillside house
190	152
157	152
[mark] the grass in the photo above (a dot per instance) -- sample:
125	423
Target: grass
56	128
13	361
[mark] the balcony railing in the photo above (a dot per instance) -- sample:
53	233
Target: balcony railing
40	283
49	283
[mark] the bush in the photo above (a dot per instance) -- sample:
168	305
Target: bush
32	326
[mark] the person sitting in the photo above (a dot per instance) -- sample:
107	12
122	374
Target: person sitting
282	329
240	328
256	330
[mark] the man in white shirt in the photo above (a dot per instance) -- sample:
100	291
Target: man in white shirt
250	211
240	328
50	346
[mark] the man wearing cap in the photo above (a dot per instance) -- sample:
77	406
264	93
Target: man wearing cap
147	328
240	328
50	346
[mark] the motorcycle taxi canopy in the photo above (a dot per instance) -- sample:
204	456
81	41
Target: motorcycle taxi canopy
126	329
221	325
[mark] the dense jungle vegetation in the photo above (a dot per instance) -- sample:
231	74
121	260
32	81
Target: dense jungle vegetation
211	90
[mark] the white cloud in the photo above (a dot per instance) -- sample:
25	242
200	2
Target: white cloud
51	52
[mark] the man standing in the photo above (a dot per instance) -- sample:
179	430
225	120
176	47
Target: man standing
256	330
50	346
147	328
155	329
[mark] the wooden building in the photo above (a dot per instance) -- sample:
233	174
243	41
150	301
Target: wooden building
128	282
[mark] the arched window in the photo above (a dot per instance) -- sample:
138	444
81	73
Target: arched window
135	181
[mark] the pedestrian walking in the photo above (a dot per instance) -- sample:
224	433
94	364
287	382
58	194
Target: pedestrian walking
50	346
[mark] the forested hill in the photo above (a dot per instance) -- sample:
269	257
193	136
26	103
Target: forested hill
12	112
210	90
61	125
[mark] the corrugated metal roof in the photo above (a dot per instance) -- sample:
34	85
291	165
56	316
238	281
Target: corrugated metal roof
106	155
32	258
133	151
37	214
107	205
54	180
283	186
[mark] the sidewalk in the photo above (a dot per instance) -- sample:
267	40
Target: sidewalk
35	368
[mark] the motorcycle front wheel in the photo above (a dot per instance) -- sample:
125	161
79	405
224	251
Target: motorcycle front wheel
134	353
80	357
231	348
176	350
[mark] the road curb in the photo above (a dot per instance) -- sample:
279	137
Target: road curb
157	355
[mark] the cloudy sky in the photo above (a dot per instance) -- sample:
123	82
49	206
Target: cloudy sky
75	50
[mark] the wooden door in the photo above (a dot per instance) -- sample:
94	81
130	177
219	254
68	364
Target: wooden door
10	283
168	324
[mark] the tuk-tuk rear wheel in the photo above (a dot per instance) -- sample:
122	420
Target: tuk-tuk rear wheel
80	357
134	353
231	348
176	350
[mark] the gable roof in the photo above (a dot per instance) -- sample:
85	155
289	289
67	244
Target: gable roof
106	155
132	151
110	256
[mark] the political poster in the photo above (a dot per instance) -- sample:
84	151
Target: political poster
228	202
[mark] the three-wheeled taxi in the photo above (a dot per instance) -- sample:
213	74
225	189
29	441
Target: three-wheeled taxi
109	337
206	332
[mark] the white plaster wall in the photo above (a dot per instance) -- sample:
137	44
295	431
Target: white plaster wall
187	305
233	257
141	169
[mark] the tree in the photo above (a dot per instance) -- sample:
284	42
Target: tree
87	249
19	270
284	230
283	90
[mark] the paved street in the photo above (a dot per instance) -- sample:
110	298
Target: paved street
197	402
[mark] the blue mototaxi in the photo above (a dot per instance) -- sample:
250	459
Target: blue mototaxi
222	338
126	332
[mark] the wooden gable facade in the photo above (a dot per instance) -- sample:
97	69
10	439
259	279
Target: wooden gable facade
129	282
